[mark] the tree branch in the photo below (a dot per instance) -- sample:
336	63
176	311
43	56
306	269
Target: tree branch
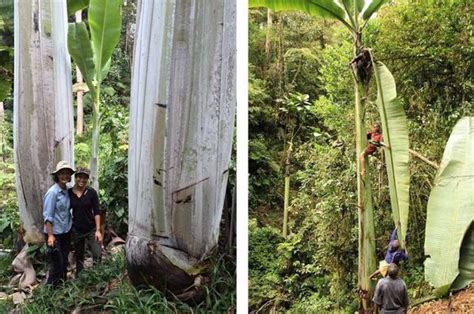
423	158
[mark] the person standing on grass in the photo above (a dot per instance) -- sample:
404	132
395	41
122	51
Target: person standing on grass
391	294
86	219
57	223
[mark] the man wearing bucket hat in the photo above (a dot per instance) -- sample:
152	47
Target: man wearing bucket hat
58	222
86	218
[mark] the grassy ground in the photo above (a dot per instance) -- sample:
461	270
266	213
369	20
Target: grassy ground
106	289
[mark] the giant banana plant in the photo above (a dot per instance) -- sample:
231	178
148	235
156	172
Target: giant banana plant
449	239
354	15
43	120
181	124
92	55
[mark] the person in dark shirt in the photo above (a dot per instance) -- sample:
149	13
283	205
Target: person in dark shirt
85	219
391	294
375	138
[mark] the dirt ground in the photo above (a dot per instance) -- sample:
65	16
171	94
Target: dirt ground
461	302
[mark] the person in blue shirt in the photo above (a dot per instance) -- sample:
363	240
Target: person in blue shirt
394	255
58	223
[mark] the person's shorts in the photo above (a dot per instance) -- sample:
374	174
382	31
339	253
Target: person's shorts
370	149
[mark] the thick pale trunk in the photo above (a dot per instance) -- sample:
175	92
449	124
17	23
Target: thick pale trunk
80	92
367	262
181	125
43	121
367	259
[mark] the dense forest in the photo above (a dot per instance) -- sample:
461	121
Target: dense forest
103	140
301	120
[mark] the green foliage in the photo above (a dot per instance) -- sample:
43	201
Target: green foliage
76	5
449	219
324	8
82	152
80	49
113	173
6	48
277	79
9	217
264	266
105	21
105	287
395	134
428	50
5	269
93	57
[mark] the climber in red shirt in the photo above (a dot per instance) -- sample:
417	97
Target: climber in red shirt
375	138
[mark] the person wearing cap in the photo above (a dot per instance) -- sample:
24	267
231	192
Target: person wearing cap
85	218
58	223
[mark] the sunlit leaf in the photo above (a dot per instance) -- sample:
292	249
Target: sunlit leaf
395	134
105	21
451	211
322	8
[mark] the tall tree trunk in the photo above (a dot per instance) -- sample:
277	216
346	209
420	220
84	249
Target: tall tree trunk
268	39
43	122
80	91
287	189
181	125
367	259
2	131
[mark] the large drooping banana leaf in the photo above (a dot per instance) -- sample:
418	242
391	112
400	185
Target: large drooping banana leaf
395	134
80	49
105	21
323	8
451	211
341	10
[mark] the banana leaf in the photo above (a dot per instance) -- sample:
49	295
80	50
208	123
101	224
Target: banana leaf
395	134
76	5
451	212
349	6
80	49
322	8
373	7
105	22
360	4
466	261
